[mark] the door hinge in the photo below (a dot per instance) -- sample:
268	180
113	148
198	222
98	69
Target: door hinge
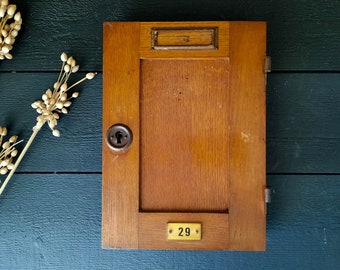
268	195
268	64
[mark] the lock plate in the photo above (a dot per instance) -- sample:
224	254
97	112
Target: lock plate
119	137
184	231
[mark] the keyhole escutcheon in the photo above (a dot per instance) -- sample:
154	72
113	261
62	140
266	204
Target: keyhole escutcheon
119	137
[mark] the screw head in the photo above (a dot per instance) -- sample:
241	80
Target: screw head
119	137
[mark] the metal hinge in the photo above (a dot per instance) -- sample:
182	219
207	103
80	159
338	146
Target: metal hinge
268	195
268	64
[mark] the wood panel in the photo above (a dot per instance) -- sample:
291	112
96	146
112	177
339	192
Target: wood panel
184	145
121	177
247	170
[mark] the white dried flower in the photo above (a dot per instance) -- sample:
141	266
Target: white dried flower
7	151
53	103
10	24
57	101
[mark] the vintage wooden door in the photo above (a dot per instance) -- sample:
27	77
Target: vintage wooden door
192	96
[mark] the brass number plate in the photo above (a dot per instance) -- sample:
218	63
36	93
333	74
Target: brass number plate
184	231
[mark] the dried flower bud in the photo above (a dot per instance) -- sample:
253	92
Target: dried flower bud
70	60
10	166
56	85
11	10
18	26
3	163
14	33
59	105
4	33
14	153
48	93
17	16
67	68
3	171
8	56
5	48
3	131
2	12
56	133
63	87
6	145
90	75
75	69
51	101
63	97
67	104
13	139
51	124
8	40
63	57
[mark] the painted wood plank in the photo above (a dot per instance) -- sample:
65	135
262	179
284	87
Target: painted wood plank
303	105
53	221
301	36
303	123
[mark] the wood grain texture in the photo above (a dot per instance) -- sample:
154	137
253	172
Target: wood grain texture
247	169
184	131
120	105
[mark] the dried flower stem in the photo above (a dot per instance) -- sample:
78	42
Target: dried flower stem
17	162
53	103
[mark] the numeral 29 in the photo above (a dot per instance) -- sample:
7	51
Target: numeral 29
182	230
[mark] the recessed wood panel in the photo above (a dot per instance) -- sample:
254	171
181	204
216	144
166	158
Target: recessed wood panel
184	38
184	135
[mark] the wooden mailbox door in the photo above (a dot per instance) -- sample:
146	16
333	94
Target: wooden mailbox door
192	94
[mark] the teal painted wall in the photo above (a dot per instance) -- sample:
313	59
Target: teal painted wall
50	214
